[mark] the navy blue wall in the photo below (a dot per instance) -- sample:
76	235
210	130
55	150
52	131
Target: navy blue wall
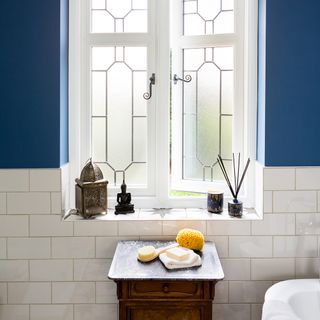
33	83
291	109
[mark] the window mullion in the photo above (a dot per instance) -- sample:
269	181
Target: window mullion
206	41
162	123
132	39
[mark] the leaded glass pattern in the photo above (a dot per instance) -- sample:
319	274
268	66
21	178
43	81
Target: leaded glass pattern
109	16
119	113
207	111
203	17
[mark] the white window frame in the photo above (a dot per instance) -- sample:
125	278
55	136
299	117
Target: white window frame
158	195
118	39
244	43
180	42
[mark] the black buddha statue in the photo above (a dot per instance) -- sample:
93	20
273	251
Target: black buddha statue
124	201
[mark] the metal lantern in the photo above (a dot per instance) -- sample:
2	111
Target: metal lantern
91	191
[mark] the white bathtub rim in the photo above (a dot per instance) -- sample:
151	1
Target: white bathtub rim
284	290
285	300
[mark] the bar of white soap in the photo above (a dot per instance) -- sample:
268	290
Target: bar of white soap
178	253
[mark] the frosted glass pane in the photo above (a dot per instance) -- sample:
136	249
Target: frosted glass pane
209	54
139	4
107	172
101	22
207	173
227	92
217	173
139	87
209	27
190	135
136	21
119	53
192	169
99	139
208	17
193	59
99	93
119	177
119	8
226	137
119	116
137	174
102	57
98	4
223	57
190	7
109	16
190	94
193	25
120	138
208	9
227	4
119	25
208	113
136	57
207	132
140	139
224	23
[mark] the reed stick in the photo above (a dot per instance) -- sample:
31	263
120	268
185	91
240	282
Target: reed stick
234	172
243	174
238	171
224	171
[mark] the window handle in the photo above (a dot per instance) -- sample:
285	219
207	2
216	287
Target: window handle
187	78
152	79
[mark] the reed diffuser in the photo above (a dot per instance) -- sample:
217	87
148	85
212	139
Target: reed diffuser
235	206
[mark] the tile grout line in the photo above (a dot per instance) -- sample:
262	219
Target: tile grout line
7	289
73	277
51	292
29	182
29	273
7	248
51	251
29	233
51	211
6	204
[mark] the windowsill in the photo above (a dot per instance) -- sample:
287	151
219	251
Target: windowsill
168	214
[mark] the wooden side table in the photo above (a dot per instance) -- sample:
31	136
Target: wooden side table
148	291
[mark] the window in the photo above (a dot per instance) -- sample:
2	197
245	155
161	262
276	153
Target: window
207	46
166	147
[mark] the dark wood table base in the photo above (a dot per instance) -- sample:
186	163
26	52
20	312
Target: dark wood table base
165	300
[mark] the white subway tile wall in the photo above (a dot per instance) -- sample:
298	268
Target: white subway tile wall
51	269
51	312
3	203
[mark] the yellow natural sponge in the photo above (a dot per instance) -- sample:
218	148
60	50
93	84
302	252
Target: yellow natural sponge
190	238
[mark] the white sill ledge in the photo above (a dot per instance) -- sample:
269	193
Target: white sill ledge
168	214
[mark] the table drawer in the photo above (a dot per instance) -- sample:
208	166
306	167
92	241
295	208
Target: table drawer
166	312
166	289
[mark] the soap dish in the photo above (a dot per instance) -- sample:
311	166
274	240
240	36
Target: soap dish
193	260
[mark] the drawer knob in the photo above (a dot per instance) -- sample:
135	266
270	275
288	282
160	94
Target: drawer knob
165	288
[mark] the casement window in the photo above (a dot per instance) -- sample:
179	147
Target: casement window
166	86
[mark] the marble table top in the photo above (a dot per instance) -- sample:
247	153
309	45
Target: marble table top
125	265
